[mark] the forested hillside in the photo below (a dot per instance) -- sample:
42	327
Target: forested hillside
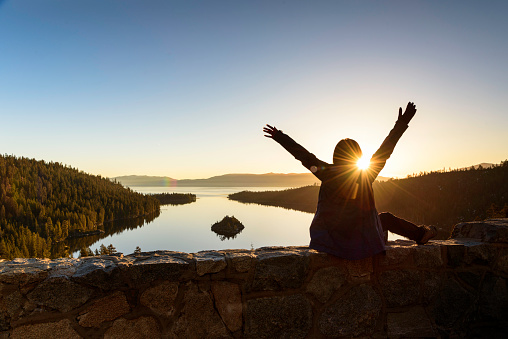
45	203
446	198
301	199
436	198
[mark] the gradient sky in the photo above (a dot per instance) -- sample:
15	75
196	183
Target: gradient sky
183	88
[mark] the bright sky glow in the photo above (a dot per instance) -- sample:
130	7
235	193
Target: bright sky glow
183	88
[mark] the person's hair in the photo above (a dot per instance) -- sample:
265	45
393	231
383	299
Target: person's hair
347	151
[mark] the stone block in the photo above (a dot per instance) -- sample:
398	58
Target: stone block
471	277
431	284
397	253
493	303
105	309
228	301
198	318
453	305
326	281
63	267
492	230
502	261
359	270
170	266
279	270
480	254
241	261
12	303
98	272
24	271
428	256
60	293
61	329
143	327
400	287
455	254
413	323
323	259
161	298
5	323
209	262
354	314
278	317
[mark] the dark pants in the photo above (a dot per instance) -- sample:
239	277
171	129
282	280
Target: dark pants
401	227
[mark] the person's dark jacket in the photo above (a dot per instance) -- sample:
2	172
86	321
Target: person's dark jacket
346	223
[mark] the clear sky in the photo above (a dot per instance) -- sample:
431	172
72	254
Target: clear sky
183	88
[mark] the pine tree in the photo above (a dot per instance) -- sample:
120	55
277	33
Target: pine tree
111	249
103	250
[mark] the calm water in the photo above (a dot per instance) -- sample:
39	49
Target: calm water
187	228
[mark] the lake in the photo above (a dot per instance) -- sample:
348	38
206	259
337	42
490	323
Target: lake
187	228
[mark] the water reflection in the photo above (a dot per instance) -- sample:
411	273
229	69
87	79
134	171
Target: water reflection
110	228
223	237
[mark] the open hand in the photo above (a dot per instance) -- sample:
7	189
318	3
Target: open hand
408	114
270	131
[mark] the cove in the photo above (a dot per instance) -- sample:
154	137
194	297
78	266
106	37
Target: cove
187	228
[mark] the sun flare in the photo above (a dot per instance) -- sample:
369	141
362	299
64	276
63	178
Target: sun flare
363	163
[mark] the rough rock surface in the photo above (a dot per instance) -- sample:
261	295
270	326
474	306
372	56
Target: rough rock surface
161	298
428	256
102	273
24	271
209	262
278	317
228	301
144	327
453	304
400	287
356	313
12	303
325	282
493	303
60	329
413	323
165	265
60	293
105	309
198	318
242	260
492	230
277	270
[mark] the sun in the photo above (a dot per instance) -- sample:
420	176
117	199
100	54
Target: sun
363	163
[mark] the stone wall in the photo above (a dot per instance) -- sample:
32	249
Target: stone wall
447	288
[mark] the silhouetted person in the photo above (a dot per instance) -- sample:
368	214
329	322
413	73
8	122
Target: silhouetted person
346	223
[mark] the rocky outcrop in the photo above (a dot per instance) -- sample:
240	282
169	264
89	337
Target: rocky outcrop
456	287
228	227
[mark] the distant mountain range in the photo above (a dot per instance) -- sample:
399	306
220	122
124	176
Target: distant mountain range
226	180
236	180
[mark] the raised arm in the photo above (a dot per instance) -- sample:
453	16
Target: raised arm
309	160
379	158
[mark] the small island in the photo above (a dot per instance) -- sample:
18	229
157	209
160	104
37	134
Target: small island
174	198
228	228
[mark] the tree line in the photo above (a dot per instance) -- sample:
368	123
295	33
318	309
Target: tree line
42	204
440	198
174	198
